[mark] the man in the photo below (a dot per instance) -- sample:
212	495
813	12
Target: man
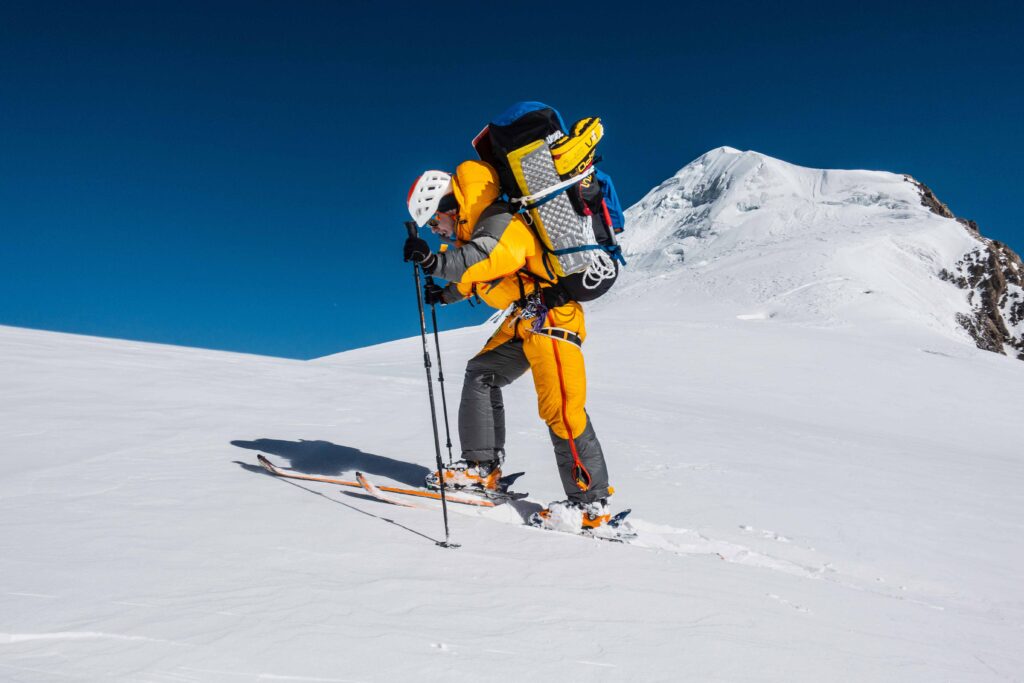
499	259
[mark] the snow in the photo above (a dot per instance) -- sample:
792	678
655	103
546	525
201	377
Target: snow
808	245
826	482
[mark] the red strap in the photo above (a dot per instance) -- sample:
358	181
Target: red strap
607	216
579	471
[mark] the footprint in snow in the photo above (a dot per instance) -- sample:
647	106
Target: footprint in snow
767	534
787	603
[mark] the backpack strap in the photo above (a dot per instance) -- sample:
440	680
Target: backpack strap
613	250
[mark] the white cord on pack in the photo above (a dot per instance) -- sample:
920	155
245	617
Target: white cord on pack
558	187
600	269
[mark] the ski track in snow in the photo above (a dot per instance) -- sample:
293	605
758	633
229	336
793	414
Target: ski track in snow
10	638
687	542
228	675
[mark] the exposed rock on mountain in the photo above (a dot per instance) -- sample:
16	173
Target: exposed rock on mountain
993	276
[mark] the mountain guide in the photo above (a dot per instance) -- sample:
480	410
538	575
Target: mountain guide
539	247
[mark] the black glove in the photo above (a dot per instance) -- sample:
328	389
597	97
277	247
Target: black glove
418	251
433	293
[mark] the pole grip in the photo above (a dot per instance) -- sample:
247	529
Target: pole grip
410	227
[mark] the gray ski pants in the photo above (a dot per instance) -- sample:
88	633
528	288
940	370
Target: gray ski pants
482	421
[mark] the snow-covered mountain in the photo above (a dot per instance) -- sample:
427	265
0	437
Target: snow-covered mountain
827	248
821	490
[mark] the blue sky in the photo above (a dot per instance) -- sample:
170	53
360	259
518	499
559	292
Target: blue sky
232	175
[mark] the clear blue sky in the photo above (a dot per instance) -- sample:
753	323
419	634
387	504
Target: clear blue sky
232	174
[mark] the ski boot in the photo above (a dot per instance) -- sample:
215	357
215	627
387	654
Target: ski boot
484	477
573	516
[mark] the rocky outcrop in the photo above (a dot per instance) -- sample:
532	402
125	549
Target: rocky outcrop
993	277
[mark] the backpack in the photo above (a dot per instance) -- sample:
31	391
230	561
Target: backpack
546	170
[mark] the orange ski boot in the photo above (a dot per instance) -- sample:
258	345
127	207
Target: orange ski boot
568	515
468	475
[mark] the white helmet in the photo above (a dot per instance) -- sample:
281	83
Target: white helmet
426	193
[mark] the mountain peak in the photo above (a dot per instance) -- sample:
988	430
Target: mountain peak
723	150
775	240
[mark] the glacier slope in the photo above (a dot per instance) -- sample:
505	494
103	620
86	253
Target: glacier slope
862	496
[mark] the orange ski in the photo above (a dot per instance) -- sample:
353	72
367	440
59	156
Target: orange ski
277	471
369	487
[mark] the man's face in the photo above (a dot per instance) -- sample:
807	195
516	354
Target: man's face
445	226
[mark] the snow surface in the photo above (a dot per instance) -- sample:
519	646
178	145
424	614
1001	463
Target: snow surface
827	483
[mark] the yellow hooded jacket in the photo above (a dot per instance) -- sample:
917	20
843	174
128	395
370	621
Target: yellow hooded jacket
494	250
493	247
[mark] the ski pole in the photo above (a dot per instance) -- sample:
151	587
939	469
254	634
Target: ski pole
440	375
411	229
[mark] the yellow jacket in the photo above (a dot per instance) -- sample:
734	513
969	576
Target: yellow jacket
493	245
494	248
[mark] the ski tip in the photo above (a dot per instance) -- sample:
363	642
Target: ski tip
369	486
617	520
509	479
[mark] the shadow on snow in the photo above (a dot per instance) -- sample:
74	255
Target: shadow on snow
328	459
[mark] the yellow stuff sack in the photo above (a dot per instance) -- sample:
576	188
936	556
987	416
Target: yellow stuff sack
574	152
